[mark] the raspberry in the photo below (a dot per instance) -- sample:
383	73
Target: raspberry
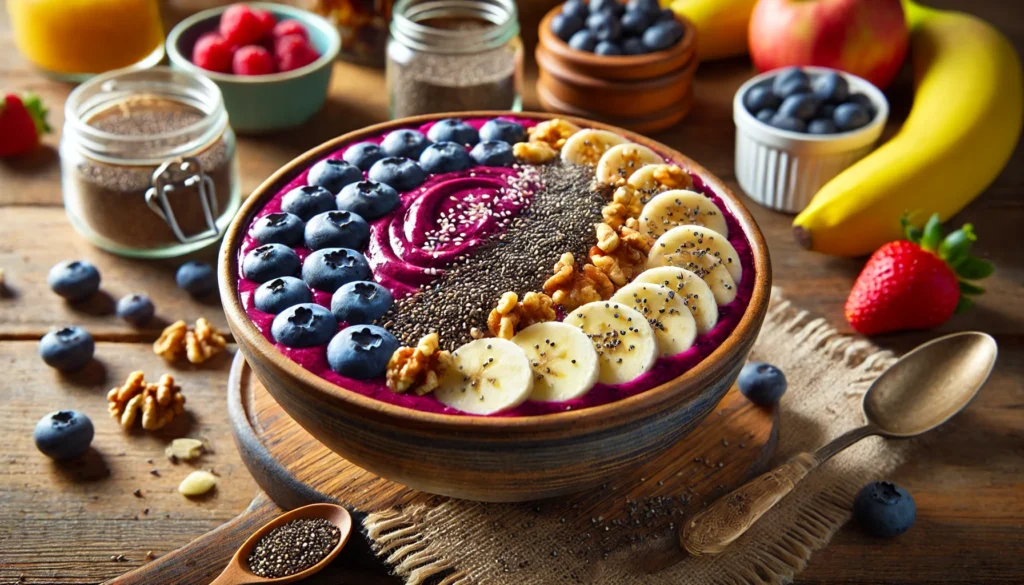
290	27
213	53
267	22
252	60
240	25
293	51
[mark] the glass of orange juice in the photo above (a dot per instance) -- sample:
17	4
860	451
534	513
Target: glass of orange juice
75	39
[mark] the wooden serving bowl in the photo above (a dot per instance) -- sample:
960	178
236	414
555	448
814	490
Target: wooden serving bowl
493	458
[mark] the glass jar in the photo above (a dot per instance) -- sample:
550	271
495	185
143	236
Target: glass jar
454	55
363	25
75	39
148	163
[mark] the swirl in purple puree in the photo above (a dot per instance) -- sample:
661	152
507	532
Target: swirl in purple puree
449	216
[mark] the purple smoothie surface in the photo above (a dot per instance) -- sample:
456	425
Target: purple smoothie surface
436	223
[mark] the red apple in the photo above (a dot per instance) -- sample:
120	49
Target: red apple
863	37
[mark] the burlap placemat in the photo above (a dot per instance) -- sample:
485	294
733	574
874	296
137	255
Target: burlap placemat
459	542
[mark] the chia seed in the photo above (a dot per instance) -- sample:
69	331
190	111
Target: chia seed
293	547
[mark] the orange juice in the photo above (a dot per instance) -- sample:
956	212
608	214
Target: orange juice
75	38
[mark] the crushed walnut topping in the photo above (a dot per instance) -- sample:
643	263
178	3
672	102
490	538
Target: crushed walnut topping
535	152
511	315
571	288
622	254
554	132
158	403
419	368
198	344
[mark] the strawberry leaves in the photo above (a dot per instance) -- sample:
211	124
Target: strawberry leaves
955	250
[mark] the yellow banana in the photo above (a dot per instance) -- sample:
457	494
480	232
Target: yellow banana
962	129
721	25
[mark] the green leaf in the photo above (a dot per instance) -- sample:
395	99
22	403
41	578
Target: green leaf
967	288
912	232
37	111
957	245
974	268
964	305
932	233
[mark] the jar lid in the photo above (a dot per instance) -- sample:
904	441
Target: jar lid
454	26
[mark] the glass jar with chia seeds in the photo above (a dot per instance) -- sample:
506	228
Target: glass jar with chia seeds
148	162
454	55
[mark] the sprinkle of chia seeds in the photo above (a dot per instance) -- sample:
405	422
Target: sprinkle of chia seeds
293	547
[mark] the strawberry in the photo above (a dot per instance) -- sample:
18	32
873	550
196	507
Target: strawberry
917	283
22	122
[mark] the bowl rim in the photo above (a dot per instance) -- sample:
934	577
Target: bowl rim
866	134
552	66
290	12
687	44
629	408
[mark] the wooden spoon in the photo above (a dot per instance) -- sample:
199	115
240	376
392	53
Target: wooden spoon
924	389
237	572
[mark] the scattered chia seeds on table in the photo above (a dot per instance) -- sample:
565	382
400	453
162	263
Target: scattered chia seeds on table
293	547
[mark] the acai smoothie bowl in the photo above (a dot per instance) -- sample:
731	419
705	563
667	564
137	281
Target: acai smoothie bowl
492	305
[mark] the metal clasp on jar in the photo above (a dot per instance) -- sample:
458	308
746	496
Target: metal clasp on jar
183	173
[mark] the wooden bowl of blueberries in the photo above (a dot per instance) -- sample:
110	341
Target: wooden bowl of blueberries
629	64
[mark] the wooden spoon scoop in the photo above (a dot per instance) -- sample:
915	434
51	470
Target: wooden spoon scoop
237	572
921	391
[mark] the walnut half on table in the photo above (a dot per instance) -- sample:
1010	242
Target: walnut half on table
197	344
158	403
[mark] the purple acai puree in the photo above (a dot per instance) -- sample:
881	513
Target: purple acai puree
412	245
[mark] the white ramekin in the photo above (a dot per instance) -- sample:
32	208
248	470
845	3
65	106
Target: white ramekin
782	170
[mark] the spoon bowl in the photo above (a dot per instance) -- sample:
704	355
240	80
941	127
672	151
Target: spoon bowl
237	572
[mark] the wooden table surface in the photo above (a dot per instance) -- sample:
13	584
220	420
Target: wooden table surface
61	524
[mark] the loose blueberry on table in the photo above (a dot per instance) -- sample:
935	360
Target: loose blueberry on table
820	104
69	349
608	27
884	509
75	280
63	434
762	383
469	269
196	278
136	309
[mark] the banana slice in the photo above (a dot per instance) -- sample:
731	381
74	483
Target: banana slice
625	343
673	324
677	207
563	359
621	161
696	293
653	179
487	376
701	251
586	147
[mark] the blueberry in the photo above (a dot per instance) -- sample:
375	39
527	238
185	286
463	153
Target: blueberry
583	41
277	295
196	278
503	130
69	349
279	228
635	22
63	434
577	8
663	35
270	261
361	302
761	97
821	126
786	123
826	111
401	173
762	383
369	199
831	87
361	351
303	325
364	154
564	25
649	7
604	25
613	7
607	48
445	157
802	106
337	229
884	509
850	116
332	174
328	269
75	280
766	115
407	143
305	202
136	309
864	102
633	46
453	130
791	81
493	153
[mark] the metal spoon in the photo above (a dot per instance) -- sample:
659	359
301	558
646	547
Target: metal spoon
237	572
924	389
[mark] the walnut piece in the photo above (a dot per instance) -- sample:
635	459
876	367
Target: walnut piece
554	132
535	153
626	203
571	288
672	177
184	449
198	344
159	403
511	315
417	368
622	254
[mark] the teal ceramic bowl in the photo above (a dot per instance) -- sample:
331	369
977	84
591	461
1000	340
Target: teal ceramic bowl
264	103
